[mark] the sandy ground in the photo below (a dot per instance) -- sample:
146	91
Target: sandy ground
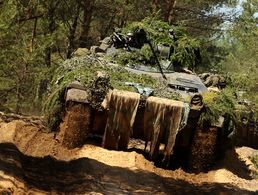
34	162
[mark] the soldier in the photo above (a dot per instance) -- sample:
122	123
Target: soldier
140	37
118	40
130	41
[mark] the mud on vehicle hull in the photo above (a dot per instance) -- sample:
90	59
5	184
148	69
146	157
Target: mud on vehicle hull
122	122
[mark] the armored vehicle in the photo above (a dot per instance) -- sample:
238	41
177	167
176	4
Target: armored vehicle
163	117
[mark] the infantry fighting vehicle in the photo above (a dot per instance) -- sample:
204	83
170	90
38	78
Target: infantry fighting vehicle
167	126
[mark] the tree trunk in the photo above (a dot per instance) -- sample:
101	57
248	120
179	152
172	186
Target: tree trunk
72	30
170	5
110	25
87	15
18	99
41	89
154	5
33	35
122	21
51	29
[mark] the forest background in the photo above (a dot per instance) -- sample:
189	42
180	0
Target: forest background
37	36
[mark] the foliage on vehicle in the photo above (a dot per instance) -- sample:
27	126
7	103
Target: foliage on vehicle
84	70
186	50
218	104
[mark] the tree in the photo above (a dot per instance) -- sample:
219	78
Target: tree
21	56
242	60
170	7
87	17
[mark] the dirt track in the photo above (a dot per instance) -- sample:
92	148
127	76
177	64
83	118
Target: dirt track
34	161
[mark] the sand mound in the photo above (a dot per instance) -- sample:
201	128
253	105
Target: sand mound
32	161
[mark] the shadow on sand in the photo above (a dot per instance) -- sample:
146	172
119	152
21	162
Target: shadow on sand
86	175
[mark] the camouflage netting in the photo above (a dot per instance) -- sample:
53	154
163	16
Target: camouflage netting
84	69
185	52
